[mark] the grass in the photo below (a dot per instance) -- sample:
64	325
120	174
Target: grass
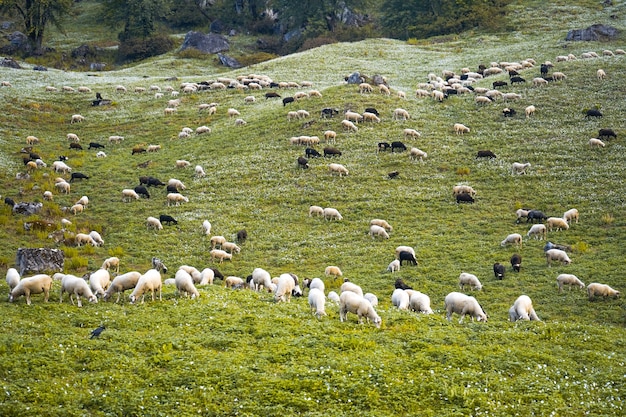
239	353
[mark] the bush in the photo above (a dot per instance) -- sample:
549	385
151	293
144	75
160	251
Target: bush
137	49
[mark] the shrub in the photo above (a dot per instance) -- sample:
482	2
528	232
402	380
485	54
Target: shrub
135	49
255	58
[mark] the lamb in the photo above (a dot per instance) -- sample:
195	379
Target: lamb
596	143
557	223
394	266
353	303
557	255
601	290
571	214
150	281
512	239
154	223
120	284
469	279
221	255
333	270
519	168
184	284
13	278
460	128
287	285
112	262
317	302
569	279
348	286
420	303
176	198
416	153
260	279
400	298
316	210
332	214
76	286
456	302
522	309
77	208
365	88
601	74
338	168
408	257
378	231
36	284
77	118
538	231
333	296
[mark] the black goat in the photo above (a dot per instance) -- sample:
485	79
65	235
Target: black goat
393	174
497	84
287	100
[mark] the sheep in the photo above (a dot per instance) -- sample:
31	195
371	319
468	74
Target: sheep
99	281
96	238
516	262
416	153
408	257
153	223
420	303
217	240
601	290
569	279
596	143
32	140
348	125
150	281
36	284
512	239
379	231
460	129
330	136
522	309
533	215
261	279
12	278
77	208
519	168
351	287
332	214
234	282
373	300
382	223
77	118
206	227
84	239
538	231
316	211
112	262
438	95
76	286
601	74
498	270
120	284
176	199
240	122
333	270
316	283
412	133
469	279
333	296
206	277
571	214
221	255
115	139
365	88
397	145
231	247
353	116
557	223
101	154
456	302
557	255
317	302
60	166
394	266
370	117
400	298
463	189
181	163
353	303
530	110
129	194
168	111
400	114
558	76
176	183
286	286
63	186
184	284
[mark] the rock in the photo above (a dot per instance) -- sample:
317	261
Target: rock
97	66
9	63
211	43
354	78
228	61
378	79
27	208
39	68
596	32
39	260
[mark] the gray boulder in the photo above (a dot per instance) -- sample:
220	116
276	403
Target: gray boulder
354	78
211	43
228	61
9	63
593	33
39	260
27	208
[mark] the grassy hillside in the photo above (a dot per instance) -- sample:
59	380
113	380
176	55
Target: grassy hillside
238	352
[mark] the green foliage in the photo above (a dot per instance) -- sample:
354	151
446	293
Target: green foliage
134	49
255	58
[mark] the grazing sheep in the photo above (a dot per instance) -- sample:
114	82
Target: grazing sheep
378	231
403	248
206	226
36	284
176	199
13	278
601	74
557	255
533	215
112	262
456	302
348	125
120	284
317	302
261	279
84	239
234	282
571	214
607	133
596	143
416	153
76	286
538	231
184	284
460	129
365	88
351	287
353	116
286	286
394	266
557	223
373	300
129	194
522	309
530	110
420	303
330	136
221	255
370	117
333	271
217	240
601	290
401	299
593	113
469	279
231	247
512	239
150	281
60	166
569	279
382	223
521	213
463	189
408	257
153	223
99	281
400	114
96	238
77	208
332	214
353	303
498	270
333	296
519	168
464	198
77	118
316	210
516	262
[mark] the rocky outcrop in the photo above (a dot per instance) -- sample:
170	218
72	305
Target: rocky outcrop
39	260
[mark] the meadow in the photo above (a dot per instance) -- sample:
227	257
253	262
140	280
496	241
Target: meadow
237	352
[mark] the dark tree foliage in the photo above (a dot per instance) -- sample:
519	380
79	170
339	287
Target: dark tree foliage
139	17
317	16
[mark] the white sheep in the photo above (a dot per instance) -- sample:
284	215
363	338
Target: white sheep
77	208
333	296
557	255
32	140
416	153
176	199
12	278
353	116
115	139
316	210
338	169
96	238
571	214
598	290
206	227
351	287
217	240
231	247
400	298
512	239
60	166
176	183
460	128
74	285
365	88
199	171
466	278
73	137
287	284
150	281
233	112
538	231
101	154
332	270
522	309
519	168
394	266
153	223
168	111
47	195
350	302
372	298
400	114
129	194
220	254
181	163
463	189
261	279
382	223
348	125
456	302
110	263
184	284
403	248
330	136
63	186
240	122
99	281
200	130
153	148
234	282
370	117
77	118
316	283
557	223
120	284
601	74
596	143
420	303
530	110
317	302
569	279
206	277
84	239
511	96
332	214
37	284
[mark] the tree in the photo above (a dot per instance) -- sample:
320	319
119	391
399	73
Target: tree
321	14
35	15
140	17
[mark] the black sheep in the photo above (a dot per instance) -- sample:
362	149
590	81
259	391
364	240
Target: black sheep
312	153
142	191
464	198
78	176
497	84
407	257
76	146
544	69
303	162
9	201
498	270
138	149
242	235
287	100
508	112
398	145
328	112
171	189
271	95
372	110
393	174
95	145
602	133
516	262
332	152
485	154
154	182
535	215
592	113
218	274
383	146
167	219
517	80
402	285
